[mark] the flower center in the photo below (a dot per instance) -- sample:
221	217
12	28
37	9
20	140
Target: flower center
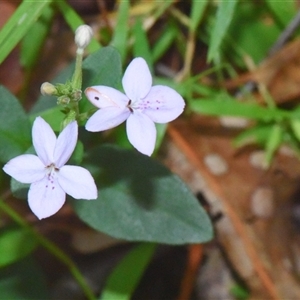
141	105
51	171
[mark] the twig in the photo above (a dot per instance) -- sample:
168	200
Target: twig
195	254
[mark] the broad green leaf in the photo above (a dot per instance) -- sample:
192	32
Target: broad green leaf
36	36
120	37
160	134
228	107
102	68
223	18
127	274
15	135
23	280
141	44
198	8
18	189
19	23
141	200
74	21
15	244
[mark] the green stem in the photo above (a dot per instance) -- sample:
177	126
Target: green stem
52	248
77	76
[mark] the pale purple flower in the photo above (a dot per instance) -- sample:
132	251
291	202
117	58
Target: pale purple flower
49	177
142	105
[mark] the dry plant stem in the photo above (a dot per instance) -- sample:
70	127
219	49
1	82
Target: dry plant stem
249	248
195	254
181	17
52	248
189	54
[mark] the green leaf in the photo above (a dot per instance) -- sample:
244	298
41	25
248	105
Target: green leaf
229	107
23	280
273	142
258	134
163	43
198	8
15	129
141	44
19	23
250	19
18	189
223	18
295	125
126	276
103	67
15	243
283	11
36	36
141	200
120	37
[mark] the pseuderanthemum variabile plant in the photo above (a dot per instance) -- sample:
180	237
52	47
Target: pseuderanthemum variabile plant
142	106
47	173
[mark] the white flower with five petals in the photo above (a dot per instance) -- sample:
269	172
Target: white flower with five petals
50	178
142	106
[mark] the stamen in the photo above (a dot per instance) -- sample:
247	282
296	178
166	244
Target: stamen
128	105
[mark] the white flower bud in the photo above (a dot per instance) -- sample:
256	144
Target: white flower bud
48	89
83	36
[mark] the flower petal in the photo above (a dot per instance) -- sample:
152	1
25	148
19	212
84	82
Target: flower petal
26	168
137	79
77	182
65	144
103	96
43	139
163	104
141	132
45	199
107	118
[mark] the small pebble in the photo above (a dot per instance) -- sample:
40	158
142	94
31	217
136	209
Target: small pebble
216	164
257	160
262	202
234	122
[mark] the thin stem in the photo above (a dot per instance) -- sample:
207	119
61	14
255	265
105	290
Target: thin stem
77	76
52	248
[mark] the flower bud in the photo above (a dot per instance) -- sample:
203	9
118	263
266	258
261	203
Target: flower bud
63	100
76	95
83	35
48	89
